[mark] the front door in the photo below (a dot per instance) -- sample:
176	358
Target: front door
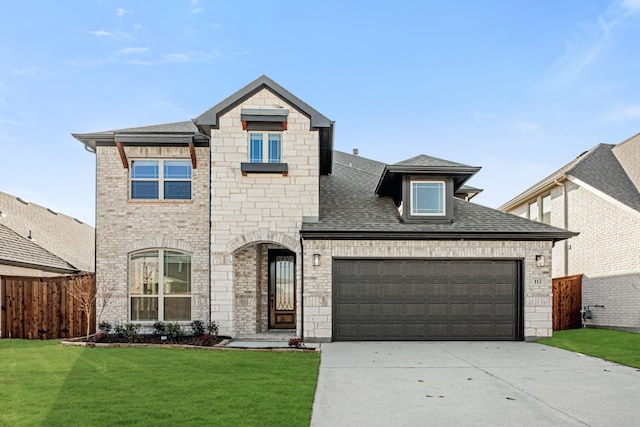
282	289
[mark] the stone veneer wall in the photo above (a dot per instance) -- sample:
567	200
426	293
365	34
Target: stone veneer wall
318	280
257	208
124	226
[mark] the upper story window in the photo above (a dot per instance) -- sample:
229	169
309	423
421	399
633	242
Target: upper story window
160	285
540	209
546	209
428	198
160	179
265	147
533	210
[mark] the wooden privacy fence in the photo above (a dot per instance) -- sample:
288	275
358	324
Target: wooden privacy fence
42	308
567	302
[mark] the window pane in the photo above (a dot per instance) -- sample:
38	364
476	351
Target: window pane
533	211
144	308
143	273
427	198
144	169
255	148
177	189
177	273
546	209
177	169
177	308
144	189
274	147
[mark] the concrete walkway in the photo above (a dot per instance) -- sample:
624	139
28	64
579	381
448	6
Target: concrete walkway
471	384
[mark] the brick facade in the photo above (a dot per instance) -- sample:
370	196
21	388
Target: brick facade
124	226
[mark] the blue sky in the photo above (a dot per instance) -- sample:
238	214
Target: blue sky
517	87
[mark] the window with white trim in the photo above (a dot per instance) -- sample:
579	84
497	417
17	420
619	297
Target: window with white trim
265	147
160	285
428	198
160	179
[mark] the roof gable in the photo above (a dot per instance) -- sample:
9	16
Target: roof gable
424	160
210	117
598	168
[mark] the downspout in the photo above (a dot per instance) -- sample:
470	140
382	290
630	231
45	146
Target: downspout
565	225
301	288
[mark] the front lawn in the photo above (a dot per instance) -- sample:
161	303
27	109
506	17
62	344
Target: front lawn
43	383
615	346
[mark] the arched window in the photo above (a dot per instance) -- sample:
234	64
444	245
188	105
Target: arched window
160	285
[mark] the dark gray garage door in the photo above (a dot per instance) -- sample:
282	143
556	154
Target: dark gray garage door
400	299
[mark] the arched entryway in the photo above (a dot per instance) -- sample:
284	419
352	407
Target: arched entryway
265	276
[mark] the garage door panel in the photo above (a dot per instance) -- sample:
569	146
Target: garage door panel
426	300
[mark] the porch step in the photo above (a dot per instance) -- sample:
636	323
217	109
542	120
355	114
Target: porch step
274	336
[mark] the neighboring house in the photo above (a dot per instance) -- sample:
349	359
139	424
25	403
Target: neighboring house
247	216
63	236
596	194
38	242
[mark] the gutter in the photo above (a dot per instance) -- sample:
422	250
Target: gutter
373	235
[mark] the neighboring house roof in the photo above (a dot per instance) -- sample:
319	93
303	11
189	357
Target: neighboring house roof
21	252
67	238
349	207
601	170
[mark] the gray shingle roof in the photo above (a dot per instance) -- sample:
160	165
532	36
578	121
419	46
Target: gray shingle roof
17	250
424	160
348	204
602	170
598	168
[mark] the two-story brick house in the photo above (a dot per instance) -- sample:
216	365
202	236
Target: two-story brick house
247	216
598	195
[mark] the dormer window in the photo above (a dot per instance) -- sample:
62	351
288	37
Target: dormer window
428	198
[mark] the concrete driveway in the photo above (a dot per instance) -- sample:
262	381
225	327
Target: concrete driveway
471	383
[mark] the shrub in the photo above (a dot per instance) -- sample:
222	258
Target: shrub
205	340
105	327
158	328
297	343
174	331
101	336
128	331
212	328
198	328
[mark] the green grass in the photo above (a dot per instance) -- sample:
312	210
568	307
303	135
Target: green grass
43	383
615	346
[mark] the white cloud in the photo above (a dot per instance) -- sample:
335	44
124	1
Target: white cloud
26	71
587	47
621	114
177	57
132	50
100	33
122	11
631	5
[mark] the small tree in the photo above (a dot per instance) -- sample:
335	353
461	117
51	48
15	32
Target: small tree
82	288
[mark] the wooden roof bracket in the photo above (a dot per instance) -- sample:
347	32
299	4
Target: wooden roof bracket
123	155
192	152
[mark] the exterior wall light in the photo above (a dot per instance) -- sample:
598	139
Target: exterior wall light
316	260
540	260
